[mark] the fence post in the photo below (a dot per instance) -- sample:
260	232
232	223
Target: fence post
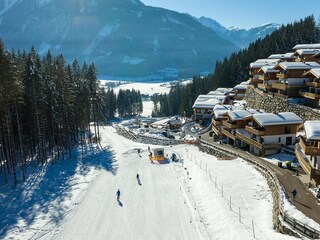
254	235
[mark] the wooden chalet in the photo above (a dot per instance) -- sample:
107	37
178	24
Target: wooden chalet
312	93
306	55
308	151
291	78
218	116
255	66
234	120
266	133
287	57
268	75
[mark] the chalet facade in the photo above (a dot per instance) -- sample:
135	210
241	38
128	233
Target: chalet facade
312	93
266	133
291	78
255	67
267	75
308	151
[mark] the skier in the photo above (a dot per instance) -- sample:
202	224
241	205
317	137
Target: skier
138	176
118	195
294	194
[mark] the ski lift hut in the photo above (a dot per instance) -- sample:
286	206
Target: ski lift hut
157	154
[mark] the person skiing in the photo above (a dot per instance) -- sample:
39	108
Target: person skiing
118	195
294	194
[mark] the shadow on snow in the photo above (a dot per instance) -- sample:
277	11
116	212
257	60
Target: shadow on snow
48	189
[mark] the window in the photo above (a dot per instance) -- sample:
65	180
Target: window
288	140
279	140
287	129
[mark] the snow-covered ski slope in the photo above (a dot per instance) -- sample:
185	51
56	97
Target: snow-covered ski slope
174	200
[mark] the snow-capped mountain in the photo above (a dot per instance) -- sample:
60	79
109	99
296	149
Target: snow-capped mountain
240	37
123	38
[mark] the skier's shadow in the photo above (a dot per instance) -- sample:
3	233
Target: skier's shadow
139	181
120	203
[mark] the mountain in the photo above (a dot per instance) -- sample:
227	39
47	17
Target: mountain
240	37
123	38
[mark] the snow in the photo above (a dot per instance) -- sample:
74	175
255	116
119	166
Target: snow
132	60
199	197
241	114
315	72
175	200
312	129
307	46
307	51
267	119
298	65
282	157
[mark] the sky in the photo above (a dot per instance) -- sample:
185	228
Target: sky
243	13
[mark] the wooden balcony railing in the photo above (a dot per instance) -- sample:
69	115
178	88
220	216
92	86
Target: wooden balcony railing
216	122
215	130
309	95
248	140
308	150
228	134
313	84
229	125
282	76
281	86
303	161
255	131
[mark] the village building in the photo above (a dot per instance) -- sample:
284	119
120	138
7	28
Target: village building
268	75
307	46
287	57
233	120
217	118
240	91
266	133
306	55
291	79
308	151
255	66
312	93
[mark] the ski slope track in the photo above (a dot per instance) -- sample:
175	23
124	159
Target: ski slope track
189	199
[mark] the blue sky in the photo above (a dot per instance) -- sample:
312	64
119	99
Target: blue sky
244	13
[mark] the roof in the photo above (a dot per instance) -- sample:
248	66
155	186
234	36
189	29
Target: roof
307	46
206	102
240	114
261	64
282	56
245	83
269	119
314	71
312	129
267	60
224	90
216	93
241	86
218	113
306	51
222	107
298	65
268	69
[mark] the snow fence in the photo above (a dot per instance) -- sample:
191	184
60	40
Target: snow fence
281	218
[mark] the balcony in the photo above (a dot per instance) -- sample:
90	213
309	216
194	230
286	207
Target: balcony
215	130
229	125
228	134
281	86
248	140
282	76
309	95
216	122
313	84
264	86
255	131
307	149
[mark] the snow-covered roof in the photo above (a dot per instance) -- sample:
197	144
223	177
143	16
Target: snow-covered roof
218	113
312	129
267	60
307	51
282	56
224	90
314	71
241	114
240	87
316	55
245	83
222	107
268	119
216	93
207	102
268	69
298	65
261	64
174	121
307	46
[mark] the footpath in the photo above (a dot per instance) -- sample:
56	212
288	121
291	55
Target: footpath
305	201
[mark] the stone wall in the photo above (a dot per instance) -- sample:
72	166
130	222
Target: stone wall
272	103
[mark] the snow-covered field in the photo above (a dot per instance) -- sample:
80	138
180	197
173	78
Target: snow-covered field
199	197
77	199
